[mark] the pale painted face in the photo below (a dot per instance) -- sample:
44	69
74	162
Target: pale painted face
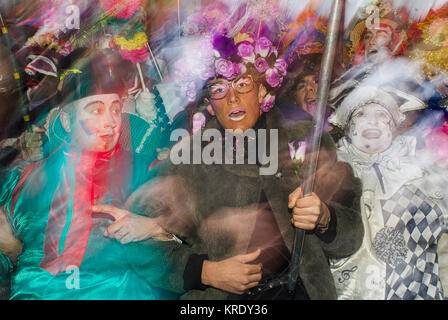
97	123
371	128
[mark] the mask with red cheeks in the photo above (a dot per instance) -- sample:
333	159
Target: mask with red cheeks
96	125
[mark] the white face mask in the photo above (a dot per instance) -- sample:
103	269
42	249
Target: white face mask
371	128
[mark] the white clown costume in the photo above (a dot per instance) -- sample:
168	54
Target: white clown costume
404	208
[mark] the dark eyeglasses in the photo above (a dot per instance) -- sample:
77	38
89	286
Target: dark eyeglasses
219	90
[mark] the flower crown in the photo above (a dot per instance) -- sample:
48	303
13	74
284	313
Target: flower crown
229	58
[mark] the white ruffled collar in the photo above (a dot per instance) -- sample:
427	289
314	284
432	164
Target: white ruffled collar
387	171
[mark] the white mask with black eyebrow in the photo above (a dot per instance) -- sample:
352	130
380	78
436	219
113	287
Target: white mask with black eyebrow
371	128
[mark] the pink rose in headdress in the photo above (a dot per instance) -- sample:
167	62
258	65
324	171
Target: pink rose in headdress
246	51
273	78
261	65
135	56
281	66
267	103
238	69
262	46
224	68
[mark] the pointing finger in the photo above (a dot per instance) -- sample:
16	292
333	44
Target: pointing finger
115	212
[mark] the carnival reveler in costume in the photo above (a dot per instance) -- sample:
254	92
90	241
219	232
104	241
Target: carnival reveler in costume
303	55
38	67
220	230
109	27
67	251
298	98
377	39
404	202
236	229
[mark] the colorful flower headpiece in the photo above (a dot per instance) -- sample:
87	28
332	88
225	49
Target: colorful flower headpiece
223	57
126	20
395	20
133	49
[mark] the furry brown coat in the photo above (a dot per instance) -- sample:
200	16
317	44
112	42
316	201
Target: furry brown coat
210	206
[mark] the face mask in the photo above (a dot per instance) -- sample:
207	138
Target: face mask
371	129
97	124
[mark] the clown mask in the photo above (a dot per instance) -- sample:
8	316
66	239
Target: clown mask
371	128
96	125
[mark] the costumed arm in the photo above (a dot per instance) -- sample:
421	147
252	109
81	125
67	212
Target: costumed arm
166	263
181	267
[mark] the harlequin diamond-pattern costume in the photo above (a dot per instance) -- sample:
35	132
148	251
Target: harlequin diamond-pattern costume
417	219
404	209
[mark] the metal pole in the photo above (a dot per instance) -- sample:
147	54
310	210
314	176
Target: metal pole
154	61
322	96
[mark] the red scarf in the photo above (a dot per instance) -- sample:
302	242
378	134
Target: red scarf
85	181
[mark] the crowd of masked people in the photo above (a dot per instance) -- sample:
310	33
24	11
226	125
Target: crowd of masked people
95	204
